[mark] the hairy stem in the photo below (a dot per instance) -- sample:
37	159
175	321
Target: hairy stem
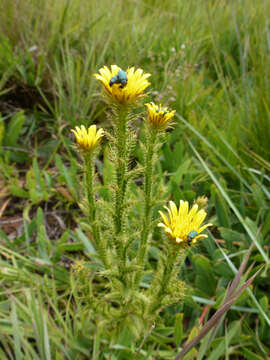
163	283
121	169
89	171
148	203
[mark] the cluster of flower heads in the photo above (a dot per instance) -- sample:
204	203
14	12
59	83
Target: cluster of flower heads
182	225
123	88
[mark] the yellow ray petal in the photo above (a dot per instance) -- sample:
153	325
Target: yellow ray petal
180	222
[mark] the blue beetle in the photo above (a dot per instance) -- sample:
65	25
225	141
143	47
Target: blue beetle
163	112
120	78
114	80
191	236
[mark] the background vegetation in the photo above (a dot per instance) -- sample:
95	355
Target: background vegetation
210	61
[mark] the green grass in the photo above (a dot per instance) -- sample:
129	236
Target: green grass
210	62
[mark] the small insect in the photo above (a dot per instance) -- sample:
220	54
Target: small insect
114	80
191	236
161	111
120	78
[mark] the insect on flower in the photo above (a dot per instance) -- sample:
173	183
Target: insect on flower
191	236
184	225
161	111
120	78
131	83
159	116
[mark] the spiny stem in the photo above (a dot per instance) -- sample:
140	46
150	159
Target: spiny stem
170	267
148	182
148	186
121	169
89	171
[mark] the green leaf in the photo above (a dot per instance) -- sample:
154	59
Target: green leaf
222	212
222	269
231	236
69	175
250	355
87	243
205	280
14	129
17	190
16	331
177	176
220	349
3	236
264	302
266	225
41	236
178	328
259	196
2	131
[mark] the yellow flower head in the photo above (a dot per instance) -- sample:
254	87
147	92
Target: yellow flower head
87	140
124	87
184	225
159	116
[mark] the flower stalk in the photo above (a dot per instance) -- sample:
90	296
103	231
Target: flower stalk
166	287
148	200
159	118
151	142
87	141
122	159
89	177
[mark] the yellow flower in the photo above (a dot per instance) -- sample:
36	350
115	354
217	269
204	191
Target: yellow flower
123	93
182	224
159	116
87	139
